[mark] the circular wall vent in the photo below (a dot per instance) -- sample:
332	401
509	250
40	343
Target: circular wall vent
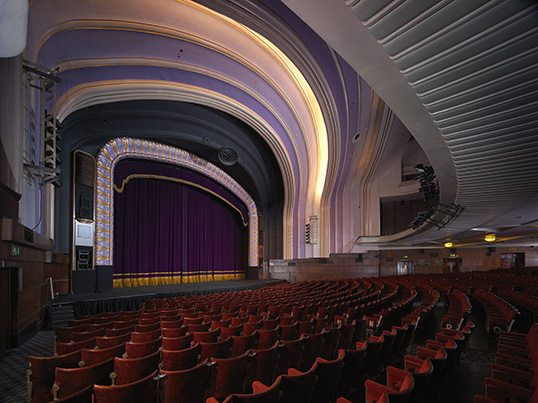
227	156
356	136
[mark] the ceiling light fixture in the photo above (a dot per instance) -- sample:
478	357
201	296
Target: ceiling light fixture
490	238
448	245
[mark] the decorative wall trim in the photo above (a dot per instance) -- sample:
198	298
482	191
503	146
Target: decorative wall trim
121	148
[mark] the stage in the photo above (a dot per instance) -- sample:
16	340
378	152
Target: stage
131	298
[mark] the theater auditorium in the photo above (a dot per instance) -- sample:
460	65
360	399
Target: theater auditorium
269	201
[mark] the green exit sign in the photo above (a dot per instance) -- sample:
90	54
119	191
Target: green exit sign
15	250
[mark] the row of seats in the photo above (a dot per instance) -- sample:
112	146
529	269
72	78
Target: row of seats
514	376
115	325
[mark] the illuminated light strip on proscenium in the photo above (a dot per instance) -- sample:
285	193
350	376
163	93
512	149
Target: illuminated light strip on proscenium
121	148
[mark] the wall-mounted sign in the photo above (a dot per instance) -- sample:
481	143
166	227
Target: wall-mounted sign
15	250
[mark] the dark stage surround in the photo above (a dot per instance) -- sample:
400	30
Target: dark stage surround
132	298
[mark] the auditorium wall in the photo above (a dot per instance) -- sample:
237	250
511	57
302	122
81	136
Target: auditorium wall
27	262
386	262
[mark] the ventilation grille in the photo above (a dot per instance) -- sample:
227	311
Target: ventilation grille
28	235
227	156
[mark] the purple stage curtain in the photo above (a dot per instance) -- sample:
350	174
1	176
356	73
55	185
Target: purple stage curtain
167	232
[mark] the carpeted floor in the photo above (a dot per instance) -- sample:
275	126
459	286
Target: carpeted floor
14	364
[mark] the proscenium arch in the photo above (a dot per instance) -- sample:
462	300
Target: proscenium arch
121	148
95	93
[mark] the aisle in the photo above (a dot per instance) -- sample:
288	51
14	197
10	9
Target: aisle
14	365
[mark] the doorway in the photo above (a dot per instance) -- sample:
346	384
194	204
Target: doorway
405	267
452	265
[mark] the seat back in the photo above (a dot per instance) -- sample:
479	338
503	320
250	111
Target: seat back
298	387
267	337
240	344
127	370
422	370
92	356
353	361
140	337
69	381
210	336
228	375
289	332
177	360
186	386
401	394
438	359
177	343
82	396
143	390
330	344
174	331
328	375
270	394
88	334
40	374
313	344
66	348
262	366
220	349
107	342
289	355
136	350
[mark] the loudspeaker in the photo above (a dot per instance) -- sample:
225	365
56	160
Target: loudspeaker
84	257
84	185
104	278
83	281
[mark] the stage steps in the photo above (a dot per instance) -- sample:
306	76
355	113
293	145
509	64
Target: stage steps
61	313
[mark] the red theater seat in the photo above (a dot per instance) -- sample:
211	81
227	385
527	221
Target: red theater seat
69	381
177	360
92	356
63	334
107	342
399	387
83	396
228	375
211	336
313	344
174	332
289	355
220	349
226	332
136	350
262	394
177	343
298	386
240	344
140	337
127	370
144	390
118	332
40	374
263	363
66	348
422	370
187	386
267	337
327	377
350	376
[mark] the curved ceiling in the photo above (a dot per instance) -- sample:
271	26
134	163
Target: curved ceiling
304	87
463	78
